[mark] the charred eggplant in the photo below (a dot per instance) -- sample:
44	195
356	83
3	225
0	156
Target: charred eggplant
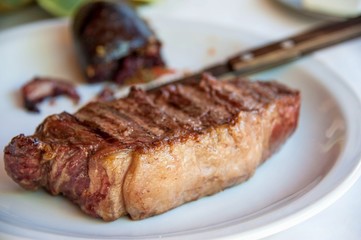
114	43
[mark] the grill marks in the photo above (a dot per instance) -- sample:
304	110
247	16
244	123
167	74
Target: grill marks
202	107
115	124
175	110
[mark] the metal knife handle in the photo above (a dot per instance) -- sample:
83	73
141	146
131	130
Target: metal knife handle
294	47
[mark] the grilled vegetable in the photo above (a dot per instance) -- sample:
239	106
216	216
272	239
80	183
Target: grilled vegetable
115	44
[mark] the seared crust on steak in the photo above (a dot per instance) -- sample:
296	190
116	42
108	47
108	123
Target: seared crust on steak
152	151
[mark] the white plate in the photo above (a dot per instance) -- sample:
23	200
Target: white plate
315	167
298	6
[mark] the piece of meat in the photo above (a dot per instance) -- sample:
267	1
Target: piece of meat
41	88
152	151
105	95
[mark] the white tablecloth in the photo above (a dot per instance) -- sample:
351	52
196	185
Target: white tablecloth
265	18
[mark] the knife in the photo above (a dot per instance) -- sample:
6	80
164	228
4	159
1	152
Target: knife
282	51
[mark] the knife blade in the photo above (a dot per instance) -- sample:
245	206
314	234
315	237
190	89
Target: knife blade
283	51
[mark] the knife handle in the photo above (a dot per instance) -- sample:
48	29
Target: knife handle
289	49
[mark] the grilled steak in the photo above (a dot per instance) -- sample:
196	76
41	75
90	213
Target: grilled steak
152	151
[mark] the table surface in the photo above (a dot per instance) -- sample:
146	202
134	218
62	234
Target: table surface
272	21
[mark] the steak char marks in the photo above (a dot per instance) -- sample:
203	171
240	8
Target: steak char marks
152	151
